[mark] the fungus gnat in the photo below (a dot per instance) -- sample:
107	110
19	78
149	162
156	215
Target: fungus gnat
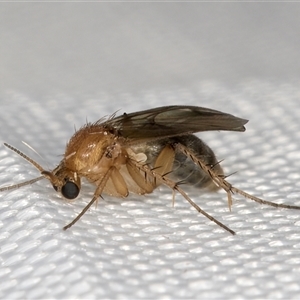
139	151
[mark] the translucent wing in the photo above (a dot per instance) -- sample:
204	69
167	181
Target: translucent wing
168	121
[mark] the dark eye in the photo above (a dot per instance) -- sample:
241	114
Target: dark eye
70	190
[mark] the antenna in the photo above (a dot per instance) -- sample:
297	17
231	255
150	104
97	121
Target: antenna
31	181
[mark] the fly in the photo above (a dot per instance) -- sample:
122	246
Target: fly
139	151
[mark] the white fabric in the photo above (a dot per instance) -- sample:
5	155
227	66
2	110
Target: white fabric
142	247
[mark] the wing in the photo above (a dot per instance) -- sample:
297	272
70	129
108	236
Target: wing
168	121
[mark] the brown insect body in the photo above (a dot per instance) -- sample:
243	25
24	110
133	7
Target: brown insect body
137	152
93	151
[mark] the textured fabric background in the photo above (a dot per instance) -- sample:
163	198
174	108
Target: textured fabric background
63	64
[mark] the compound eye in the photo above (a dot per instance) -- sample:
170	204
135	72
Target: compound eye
70	190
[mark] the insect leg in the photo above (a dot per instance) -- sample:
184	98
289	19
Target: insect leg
163	179
97	194
221	182
165	159
217	179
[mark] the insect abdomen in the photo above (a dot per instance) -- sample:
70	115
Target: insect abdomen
186	170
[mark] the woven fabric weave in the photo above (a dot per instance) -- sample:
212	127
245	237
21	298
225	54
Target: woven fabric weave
142	247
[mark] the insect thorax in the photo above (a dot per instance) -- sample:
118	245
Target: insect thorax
87	146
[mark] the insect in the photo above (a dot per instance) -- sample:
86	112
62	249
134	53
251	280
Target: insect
139	151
